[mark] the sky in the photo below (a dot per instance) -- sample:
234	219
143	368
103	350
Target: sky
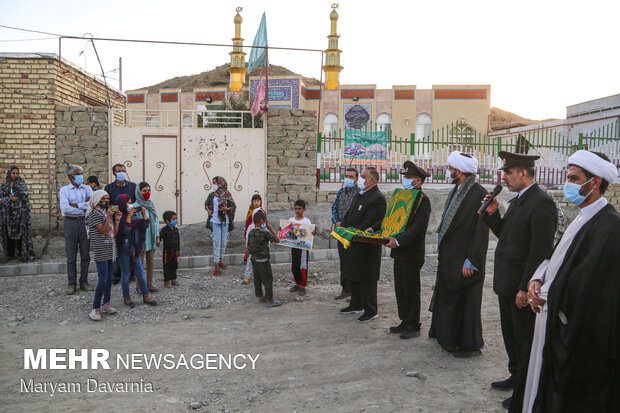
538	56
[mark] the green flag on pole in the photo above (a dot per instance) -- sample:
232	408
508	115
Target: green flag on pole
257	55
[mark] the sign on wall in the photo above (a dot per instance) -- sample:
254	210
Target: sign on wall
365	147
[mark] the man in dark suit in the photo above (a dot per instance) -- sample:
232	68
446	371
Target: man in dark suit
361	261
525	238
408	253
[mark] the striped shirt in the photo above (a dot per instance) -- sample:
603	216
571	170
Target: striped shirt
104	246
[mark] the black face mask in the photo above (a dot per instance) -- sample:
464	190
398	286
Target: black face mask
104	204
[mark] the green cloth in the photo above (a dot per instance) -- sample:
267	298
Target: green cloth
395	221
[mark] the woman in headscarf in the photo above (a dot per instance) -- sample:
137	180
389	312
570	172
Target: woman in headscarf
101	229
15	217
221	209
143	195
129	239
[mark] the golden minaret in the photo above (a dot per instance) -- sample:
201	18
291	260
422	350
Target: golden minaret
237	67
332	66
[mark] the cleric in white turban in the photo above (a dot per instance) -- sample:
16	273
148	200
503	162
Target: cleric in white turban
594	164
463	162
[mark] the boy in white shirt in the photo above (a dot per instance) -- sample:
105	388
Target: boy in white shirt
299	257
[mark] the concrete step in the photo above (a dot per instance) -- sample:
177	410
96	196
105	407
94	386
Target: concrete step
197	261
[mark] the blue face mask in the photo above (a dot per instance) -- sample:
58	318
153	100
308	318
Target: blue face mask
571	193
264	226
407	183
173	223
121	176
79	179
349	183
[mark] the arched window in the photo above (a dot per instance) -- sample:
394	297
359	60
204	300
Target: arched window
187	120
384	123
330	124
423	126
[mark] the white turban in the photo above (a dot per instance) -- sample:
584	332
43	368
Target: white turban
594	164
464	163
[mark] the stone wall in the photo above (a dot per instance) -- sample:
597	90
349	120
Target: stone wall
81	139
291	158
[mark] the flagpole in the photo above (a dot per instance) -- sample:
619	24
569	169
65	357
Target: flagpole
266	78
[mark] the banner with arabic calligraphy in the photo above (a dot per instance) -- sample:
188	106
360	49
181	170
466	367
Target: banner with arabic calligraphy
362	147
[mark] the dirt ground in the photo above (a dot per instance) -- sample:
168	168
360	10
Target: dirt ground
311	357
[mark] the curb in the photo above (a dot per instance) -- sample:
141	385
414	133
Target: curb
193	262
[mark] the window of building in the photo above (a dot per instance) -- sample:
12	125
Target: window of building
384	123
331	59
187	120
424	126
330	124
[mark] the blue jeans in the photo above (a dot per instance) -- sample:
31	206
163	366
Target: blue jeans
220	239
104	285
125	263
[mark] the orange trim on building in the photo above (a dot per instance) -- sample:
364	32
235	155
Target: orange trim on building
460	93
135	98
170	97
311	94
360	93
202	96
404	94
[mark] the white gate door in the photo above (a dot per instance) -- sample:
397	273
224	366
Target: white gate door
160	171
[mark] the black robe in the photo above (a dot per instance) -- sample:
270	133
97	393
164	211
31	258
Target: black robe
362	262
581	359
457	300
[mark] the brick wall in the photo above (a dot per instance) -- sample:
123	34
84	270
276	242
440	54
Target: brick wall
31	87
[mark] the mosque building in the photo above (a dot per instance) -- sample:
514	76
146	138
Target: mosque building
403	110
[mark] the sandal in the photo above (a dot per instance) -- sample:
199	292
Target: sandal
275	303
302	291
129	303
261	300
294	288
152	302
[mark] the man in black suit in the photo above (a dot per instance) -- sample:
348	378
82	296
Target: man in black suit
408	253
361	261
525	238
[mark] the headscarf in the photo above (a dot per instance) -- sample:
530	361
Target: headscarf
153	228
15	221
137	225
594	164
93	202
19	186
223	194
463	162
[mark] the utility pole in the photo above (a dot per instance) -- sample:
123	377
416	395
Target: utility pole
120	74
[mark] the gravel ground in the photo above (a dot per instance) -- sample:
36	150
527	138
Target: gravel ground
311	357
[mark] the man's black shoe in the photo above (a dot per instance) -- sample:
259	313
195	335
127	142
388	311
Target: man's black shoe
364	318
410	332
506	403
349	310
507	384
399	328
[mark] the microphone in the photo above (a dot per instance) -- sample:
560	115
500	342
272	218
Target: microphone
496	191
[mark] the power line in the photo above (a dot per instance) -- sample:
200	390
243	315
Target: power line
30	30
28	40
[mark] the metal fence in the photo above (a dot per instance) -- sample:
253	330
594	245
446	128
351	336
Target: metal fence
187	118
431	153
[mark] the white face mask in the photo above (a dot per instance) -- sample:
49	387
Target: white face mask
361	183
